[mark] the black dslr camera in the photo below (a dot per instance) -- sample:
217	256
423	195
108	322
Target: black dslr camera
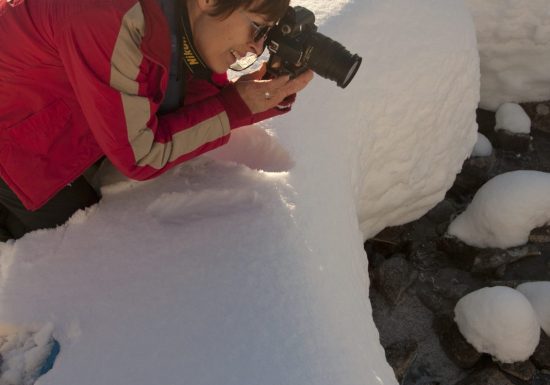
296	46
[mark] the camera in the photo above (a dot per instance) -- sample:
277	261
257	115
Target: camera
296	46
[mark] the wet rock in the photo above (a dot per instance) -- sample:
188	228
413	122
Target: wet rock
400	355
454	344
510	141
487	376
541	357
523	370
393	277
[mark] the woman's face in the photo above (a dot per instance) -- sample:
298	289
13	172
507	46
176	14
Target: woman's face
221	41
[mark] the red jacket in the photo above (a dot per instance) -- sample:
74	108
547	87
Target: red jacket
80	79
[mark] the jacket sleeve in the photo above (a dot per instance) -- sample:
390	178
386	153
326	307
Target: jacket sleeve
120	90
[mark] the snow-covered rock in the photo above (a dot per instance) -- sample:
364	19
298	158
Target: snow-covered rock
538	293
514	45
505	210
407	120
483	146
512	117
499	321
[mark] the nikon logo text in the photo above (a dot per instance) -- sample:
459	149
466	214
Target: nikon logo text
188	54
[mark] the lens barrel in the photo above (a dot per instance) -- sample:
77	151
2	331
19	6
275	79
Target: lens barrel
332	60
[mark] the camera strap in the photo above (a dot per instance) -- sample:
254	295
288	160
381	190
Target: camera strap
189	58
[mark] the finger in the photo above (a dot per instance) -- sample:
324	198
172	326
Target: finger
293	86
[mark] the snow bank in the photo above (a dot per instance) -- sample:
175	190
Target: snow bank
538	294
499	321
406	122
514	45
505	210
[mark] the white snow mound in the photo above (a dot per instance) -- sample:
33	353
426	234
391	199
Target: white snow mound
513	118
499	321
483	146
505	210
538	293
407	120
514	45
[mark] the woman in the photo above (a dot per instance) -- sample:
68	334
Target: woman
139	81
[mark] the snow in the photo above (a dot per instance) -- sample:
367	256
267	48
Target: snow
411	107
247	266
483	146
505	210
514	45
512	117
500	321
538	294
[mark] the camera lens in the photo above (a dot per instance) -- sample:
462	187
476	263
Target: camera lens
332	60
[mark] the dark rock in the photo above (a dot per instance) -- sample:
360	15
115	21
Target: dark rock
523	370
400	356
541	379
541	357
540	235
486	122
454	344
539	112
393	277
486	376
387	242
435	302
455	284
442	212
490	259
462	254
510	141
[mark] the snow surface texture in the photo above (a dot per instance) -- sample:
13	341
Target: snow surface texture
514	45
406	122
513	118
500	321
505	210
24	353
216	273
483	146
538	293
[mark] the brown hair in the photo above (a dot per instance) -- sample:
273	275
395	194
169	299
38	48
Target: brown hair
273	10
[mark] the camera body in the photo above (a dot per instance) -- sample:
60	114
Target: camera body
295	46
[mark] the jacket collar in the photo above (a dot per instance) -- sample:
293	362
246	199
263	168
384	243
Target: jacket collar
156	42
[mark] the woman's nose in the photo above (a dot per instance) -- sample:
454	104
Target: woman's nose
257	46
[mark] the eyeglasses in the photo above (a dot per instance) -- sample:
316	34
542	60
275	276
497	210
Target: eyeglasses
259	33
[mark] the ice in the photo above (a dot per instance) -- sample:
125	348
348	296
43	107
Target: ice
499	321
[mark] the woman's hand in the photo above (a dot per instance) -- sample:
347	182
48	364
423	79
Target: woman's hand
262	95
